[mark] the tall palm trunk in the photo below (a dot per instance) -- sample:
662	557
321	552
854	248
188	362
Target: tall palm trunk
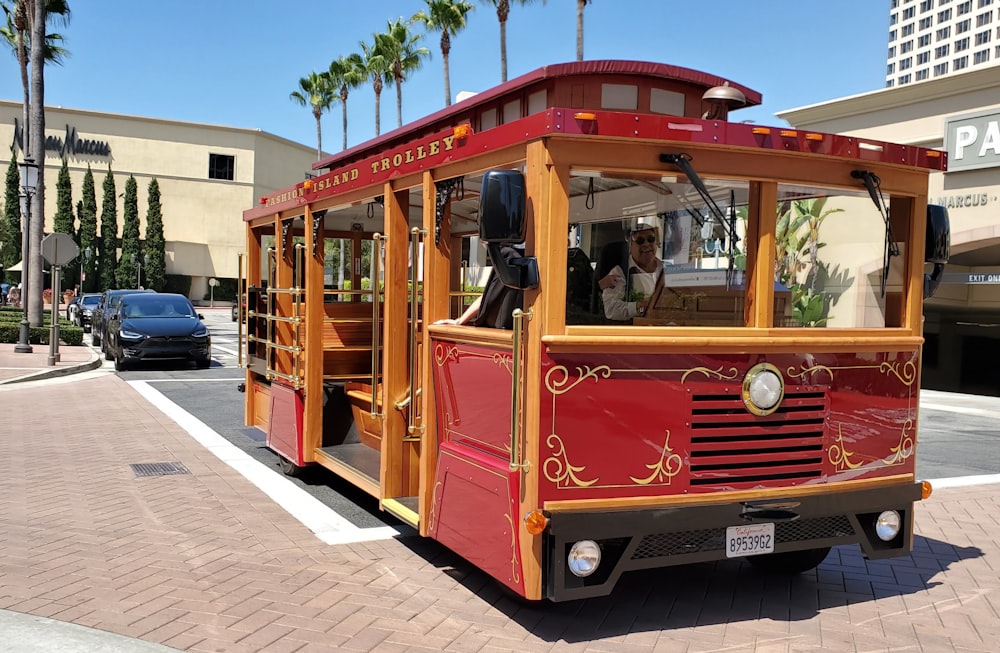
503	48
445	49
36	280
343	104
318	113
580	4
377	86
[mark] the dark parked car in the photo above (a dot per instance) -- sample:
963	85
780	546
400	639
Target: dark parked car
83	312
105	307
156	326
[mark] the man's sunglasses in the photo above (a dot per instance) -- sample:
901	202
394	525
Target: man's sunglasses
639	240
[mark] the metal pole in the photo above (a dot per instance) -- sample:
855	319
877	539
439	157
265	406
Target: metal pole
54	327
23	345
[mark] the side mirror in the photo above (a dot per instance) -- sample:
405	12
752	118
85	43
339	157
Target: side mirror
937	247
200	316
502	222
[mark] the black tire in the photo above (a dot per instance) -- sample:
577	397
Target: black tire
95	337
288	468
108	355
120	364
790	562
203	364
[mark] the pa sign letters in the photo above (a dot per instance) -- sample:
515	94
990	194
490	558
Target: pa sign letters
973	141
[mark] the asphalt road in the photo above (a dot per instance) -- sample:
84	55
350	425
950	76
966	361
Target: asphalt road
955	430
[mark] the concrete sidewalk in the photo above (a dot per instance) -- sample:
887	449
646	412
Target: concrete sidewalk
98	557
16	368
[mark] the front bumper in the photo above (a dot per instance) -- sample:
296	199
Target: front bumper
194	349
662	537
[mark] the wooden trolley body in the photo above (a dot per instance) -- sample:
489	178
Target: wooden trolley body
510	446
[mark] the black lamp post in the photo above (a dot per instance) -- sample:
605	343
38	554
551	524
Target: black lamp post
87	253
139	260
29	183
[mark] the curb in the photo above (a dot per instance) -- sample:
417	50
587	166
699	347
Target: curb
56	372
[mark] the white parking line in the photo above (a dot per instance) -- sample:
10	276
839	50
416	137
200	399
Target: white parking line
328	526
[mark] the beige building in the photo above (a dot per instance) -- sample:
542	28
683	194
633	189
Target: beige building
208	175
959	113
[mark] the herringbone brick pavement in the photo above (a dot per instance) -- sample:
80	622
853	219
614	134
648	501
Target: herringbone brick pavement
205	562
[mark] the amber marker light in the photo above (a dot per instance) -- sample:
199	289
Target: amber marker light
585	115
933	153
462	131
814	137
535	522
791	133
926	490
761	130
307	184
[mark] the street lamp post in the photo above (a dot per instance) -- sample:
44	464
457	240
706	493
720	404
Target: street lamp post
29	183
138	267
87	253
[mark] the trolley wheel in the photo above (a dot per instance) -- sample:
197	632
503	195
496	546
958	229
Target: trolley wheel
790	562
288	468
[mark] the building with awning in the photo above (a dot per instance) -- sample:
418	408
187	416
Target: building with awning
207	174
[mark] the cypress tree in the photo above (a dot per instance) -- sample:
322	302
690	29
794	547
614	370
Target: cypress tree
87	212
10	229
62	222
131	260
108	263
156	263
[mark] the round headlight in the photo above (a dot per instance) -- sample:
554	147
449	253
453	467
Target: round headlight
887	525
763	389
584	556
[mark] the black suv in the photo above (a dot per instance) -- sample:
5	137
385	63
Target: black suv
104	309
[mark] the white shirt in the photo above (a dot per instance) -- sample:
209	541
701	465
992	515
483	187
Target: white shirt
616	305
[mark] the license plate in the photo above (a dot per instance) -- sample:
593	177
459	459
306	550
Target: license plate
750	540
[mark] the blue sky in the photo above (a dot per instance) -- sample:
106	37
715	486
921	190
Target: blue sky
234	62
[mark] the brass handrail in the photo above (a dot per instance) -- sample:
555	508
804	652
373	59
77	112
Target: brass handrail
415	235
376	335
515	392
240	303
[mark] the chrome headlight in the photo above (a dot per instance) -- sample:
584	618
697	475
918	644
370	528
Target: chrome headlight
584	557
763	389
887	525
200	332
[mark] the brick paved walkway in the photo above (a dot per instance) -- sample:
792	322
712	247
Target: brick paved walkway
205	562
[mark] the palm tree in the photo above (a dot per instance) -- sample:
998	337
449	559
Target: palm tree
315	91
26	23
346	73
580	4
449	17
503	11
377	69
400	47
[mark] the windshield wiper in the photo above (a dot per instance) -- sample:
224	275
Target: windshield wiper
874	186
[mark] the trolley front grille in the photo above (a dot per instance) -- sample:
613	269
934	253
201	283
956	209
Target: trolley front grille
732	447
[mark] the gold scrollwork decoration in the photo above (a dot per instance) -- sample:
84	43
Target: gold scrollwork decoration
666	468
562	385
908	374
514	563
730	374
904	448
504	360
434	494
839	456
442	354
802	371
557	468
